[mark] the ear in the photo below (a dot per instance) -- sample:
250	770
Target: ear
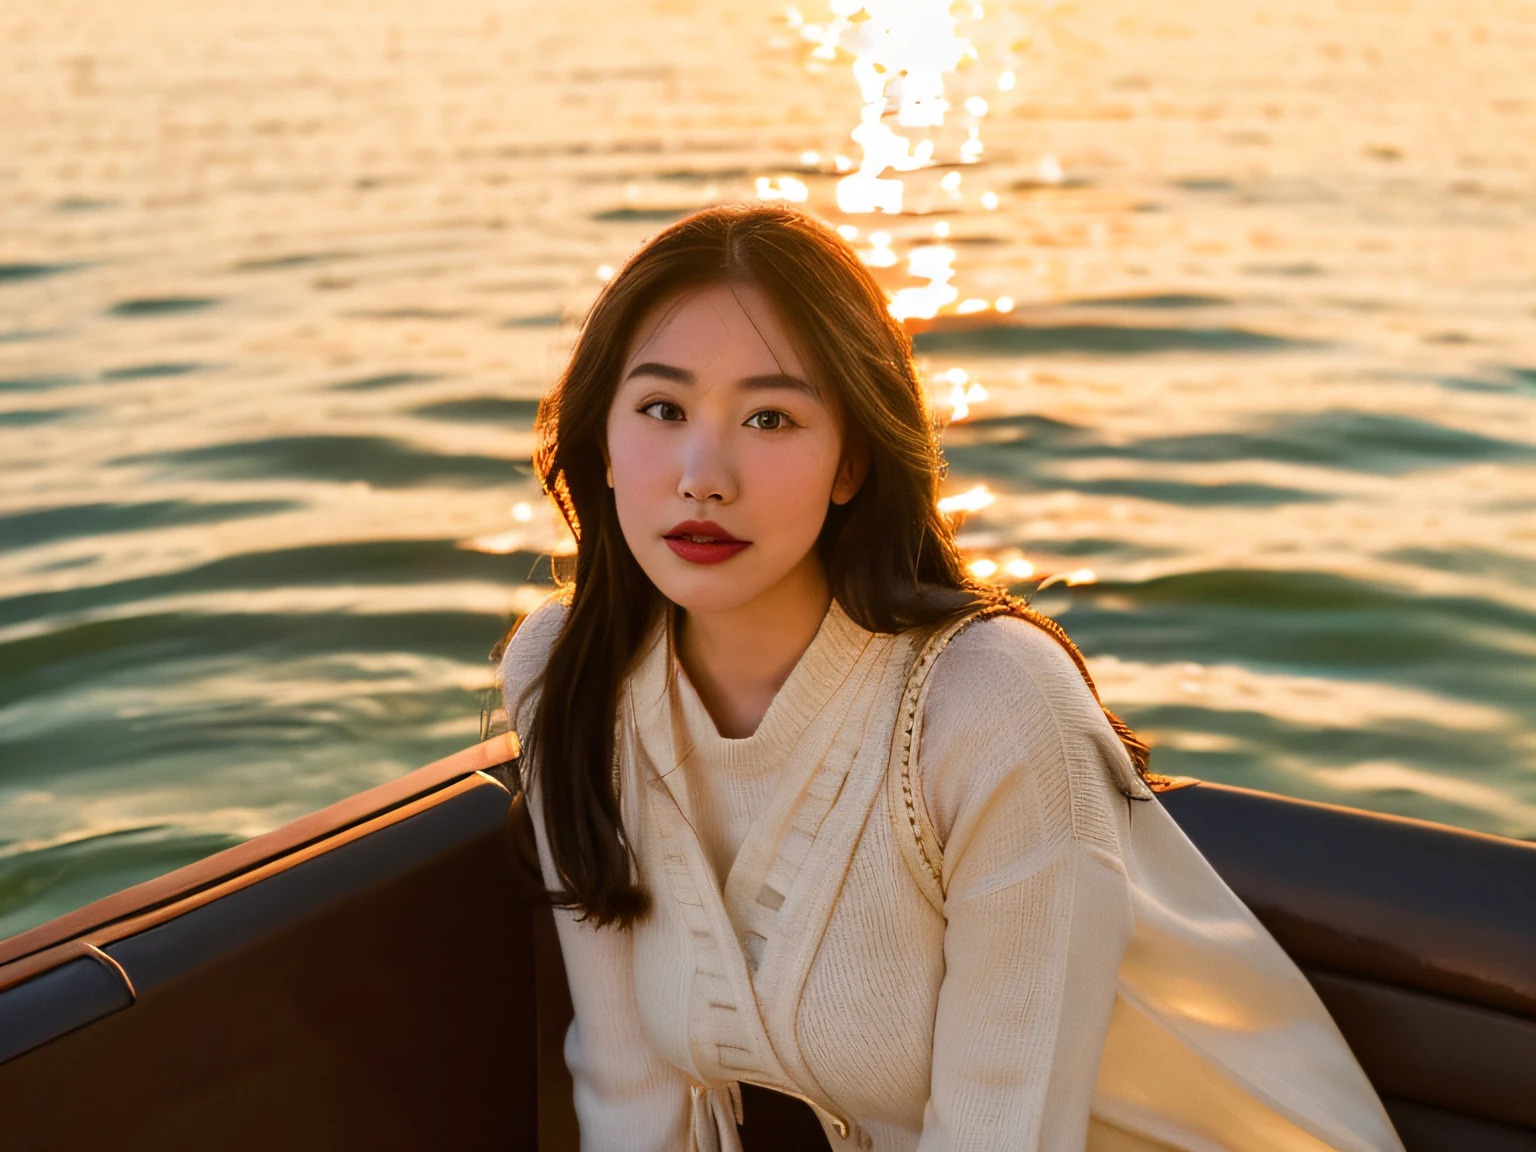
851	472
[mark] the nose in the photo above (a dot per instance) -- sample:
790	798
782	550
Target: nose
706	473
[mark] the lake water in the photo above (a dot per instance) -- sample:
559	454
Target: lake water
281	285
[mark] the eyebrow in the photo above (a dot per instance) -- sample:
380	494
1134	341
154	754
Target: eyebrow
751	383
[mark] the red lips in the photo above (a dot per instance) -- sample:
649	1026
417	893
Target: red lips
703	542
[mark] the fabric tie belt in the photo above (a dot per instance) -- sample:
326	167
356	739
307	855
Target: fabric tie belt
716	1113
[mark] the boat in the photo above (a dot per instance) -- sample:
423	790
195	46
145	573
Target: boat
384	974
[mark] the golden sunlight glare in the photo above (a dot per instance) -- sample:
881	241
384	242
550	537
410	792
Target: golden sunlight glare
971	500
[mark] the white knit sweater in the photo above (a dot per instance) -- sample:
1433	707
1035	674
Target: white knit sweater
1086	981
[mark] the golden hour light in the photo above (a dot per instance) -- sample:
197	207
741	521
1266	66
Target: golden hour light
785	188
1193	567
531	533
1071	579
935	264
902	50
903	56
879	254
494	544
1012	570
971	500
958	392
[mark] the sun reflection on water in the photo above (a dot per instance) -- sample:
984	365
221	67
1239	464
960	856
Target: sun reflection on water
270	351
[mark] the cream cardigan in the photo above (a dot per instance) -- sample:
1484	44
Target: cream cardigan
1085	980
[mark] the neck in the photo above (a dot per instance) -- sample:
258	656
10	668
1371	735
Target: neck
737	660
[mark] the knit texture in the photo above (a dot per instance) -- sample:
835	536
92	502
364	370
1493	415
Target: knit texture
729	781
788	944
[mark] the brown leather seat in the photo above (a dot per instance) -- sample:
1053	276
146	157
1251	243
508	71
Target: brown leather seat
1420	939
384	974
370	988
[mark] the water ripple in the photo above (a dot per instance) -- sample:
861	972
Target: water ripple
1101	340
161	305
374	460
271	352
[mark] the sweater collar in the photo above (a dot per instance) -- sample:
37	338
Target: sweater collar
821	670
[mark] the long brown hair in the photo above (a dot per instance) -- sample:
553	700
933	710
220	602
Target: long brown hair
889	553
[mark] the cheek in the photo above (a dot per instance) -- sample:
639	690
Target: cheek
793	483
639	454
645	475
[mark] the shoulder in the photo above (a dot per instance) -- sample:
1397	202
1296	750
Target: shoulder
527	651
1012	671
1006	709
1010	646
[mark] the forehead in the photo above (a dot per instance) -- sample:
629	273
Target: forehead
725	329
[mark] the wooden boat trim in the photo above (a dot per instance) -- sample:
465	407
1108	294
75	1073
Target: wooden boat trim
20	971
133	925
92	943
101	957
174	887
1413	903
1386	817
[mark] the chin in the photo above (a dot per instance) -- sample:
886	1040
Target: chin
706	588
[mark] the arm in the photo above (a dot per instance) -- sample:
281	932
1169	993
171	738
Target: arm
1037	901
626	1096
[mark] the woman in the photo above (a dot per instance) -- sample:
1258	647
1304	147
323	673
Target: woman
822	816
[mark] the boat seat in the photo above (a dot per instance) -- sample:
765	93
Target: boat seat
1420	939
58	1001
369	988
385	974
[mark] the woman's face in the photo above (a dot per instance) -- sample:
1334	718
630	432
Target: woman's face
725	452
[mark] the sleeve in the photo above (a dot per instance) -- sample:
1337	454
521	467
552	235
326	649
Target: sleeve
1037	900
626	1096
522	664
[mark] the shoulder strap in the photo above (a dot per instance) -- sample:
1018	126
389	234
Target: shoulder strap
916	838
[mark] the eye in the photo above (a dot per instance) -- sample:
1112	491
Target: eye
662	410
770	420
